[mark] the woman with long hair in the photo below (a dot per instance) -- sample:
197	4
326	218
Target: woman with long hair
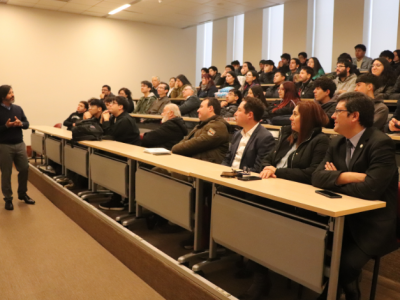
207	88
124	92
180	83
231	80
383	70
290	98
257	92
251	80
314	63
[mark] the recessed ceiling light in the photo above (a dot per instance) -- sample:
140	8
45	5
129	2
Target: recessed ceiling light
119	9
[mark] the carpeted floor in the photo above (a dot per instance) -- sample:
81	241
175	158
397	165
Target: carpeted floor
45	255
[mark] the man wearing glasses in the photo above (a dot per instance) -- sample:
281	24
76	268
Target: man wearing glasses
361	163
345	80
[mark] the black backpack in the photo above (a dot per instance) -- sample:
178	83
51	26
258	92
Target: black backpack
87	130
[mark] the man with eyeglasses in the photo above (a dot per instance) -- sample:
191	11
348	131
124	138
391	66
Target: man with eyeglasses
345	80
190	106
360	163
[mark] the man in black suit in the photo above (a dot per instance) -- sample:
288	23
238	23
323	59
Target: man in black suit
361	163
253	142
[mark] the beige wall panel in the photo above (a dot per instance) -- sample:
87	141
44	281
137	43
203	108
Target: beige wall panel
220	32
295	27
252	44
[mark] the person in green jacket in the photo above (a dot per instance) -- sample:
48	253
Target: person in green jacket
314	63
144	104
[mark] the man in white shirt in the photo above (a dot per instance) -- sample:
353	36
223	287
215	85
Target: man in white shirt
253	142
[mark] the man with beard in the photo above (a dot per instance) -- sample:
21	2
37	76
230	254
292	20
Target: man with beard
305	85
345	80
12	147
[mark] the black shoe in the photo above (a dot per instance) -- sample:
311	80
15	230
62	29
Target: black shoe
9	205
27	199
112	205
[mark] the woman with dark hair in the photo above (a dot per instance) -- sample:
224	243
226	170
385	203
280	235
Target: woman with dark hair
300	149
396	62
207	88
247	66
314	63
124	92
251	80
180	83
290	98
231	80
256	91
383	70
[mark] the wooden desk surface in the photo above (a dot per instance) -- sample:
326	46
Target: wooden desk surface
61	133
160	117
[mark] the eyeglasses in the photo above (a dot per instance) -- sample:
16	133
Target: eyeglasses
337	67
338	111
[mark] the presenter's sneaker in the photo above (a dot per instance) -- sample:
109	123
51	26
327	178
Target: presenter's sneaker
9	205
112	205
27	199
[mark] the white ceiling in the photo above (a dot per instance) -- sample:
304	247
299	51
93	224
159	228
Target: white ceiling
174	13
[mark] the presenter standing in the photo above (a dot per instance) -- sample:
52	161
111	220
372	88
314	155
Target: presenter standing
12	147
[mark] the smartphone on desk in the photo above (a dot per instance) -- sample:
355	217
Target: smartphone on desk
249	178
328	194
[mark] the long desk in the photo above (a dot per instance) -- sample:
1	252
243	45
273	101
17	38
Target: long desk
261	239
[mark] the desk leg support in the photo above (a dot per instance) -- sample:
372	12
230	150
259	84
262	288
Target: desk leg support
130	218
336	254
198	222
46	160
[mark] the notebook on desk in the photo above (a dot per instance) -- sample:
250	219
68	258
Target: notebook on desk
157	151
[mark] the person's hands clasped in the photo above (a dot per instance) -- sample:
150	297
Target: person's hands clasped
16	123
268	172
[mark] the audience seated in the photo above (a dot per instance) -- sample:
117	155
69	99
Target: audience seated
190	106
305	86
208	88
231	80
256	91
171	131
287	92
144	104
367	84
396	62
294	67
238	68
96	108
180	83
251	80
324	90
251	144
388	55
247	66
361	163
123	129
228	68
158	106
209	140
230	106
347	57
314	64
155	81
361	61
267	76
76	116
272	91
261	64
303	59
124	92
213	72
284	63
345	80
172	81
105	92
383	70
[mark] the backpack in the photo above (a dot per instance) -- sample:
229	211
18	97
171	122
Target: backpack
87	130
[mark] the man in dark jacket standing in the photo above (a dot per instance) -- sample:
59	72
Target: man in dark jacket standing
12	147
190	106
209	140
171	132
361	163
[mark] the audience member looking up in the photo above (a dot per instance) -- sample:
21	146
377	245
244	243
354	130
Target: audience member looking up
361	163
272	91
287	92
76	116
189	107
267	77
231	80
314	64
382	69
294	67
251	144
367	84
236	65
284	63
345	80
303	59
251	80
209	140
124	92
361	61
305	85
180	84
145	102
171	131
105	92
172	81
228	68
208	88
324	90
158	106
230	106
213	71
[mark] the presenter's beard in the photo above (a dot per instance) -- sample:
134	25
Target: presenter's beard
164	119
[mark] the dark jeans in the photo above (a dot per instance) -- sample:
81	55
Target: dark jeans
16	154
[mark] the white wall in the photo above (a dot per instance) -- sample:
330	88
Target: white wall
53	60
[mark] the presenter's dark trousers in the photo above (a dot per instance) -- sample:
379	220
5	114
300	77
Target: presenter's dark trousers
9	154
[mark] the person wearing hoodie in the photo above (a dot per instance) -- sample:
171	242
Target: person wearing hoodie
144	104
209	140
324	90
171	131
213	71
76	116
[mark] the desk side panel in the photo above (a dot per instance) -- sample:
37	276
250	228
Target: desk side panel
53	150
76	160
37	143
